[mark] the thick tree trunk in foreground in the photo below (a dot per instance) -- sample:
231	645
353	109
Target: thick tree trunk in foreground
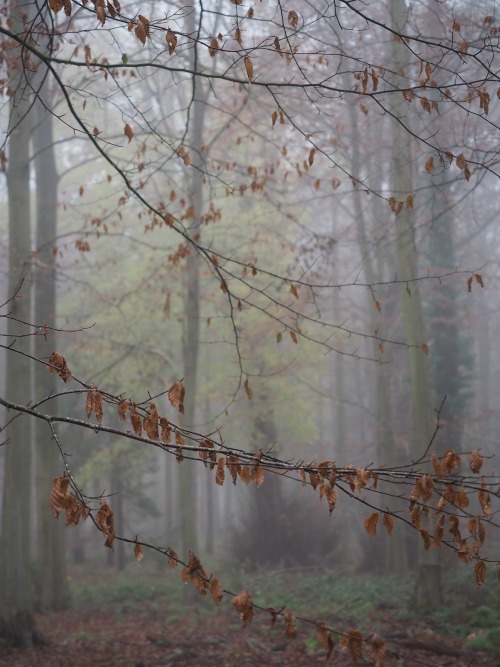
16	590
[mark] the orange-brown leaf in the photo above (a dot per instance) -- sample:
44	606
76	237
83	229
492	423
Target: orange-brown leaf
294	291
173	558
220	472
248	390
122	409
128	132
355	646
57	364
290	624
243	605
388	522
135	419
324	637
138	553
171	41
176	395
59	495
371	524
378	650
293	18
216	591
214	47
248	67
480	570
429	165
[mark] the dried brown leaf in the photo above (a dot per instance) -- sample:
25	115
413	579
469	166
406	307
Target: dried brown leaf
248	67
176	395
388	522
324	637
59	495
480	570
57	364
370	524
216	592
138	553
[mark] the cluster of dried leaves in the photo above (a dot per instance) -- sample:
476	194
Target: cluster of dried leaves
442	498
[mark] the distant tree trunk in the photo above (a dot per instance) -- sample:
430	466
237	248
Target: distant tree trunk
428	585
52	586
394	554
187	472
16	583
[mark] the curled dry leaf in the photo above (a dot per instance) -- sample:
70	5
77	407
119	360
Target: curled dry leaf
59	495
150	423
371	524
105	521
171	41
243	605
220	473
214	47
94	403
293	18
216	592
378	650
57	364
290	624
75	510
388	522
122	409
475	461
195	573
248	390
324	637
248	68
173	558
480	570
128	132
176	395
355	646
135	419
138	552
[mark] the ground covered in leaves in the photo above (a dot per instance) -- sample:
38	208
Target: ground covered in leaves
145	623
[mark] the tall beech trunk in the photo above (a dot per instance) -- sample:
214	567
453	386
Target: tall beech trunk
16	589
52	586
428	590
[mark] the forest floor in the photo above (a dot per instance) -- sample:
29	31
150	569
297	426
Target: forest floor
117	620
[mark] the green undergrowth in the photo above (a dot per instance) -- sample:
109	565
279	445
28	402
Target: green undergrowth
366	603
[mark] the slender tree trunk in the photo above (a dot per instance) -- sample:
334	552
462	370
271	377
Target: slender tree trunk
428	584
187	476
16	590
52	585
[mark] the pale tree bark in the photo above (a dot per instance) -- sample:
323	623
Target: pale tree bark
428	584
394	558
190	347
52	586
16	585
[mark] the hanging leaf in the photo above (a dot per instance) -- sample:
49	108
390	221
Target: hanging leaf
388	522
216	592
142	29
220	473
290	624
293	18
176	395
213	47
378	306
127	130
480	570
138	553
479	279
294	291
475	461
57	364
171	41
425	349
249	68
378	650
371	524
429	165
248	390
243	605
59	495
293	336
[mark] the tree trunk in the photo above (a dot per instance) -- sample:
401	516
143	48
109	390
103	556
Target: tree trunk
52	586
16	598
428	584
